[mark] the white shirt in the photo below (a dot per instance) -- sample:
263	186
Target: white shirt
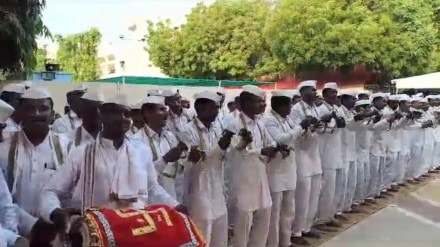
66	123
69	179
330	142
250	185
175	123
11	126
308	159
79	136
282	172
348	136
33	167
161	145
378	145
204	180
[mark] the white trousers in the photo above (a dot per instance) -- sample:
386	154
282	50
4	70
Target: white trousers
376	176
341	190
307	194
415	162
281	218
402	166
214	231
436	159
351	175
326	211
251	228
428	156
359	194
390	169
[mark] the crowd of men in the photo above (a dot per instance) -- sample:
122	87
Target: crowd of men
263	176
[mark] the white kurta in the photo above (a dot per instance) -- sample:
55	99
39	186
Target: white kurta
308	160
33	167
79	136
66	123
11	126
69	179
176	124
250	184
204	180
161	145
282	172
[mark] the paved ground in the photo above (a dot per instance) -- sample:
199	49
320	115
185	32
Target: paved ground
409	218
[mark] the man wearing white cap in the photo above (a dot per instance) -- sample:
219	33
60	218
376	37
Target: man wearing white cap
251	148
378	148
31	156
281	170
333	166
88	111
138	121
353	170
404	135
9	216
428	146
362	147
12	94
117	173
178	117
204	170
165	148
70	121
435	104
308	161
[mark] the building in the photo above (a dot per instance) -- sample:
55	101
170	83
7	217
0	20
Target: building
127	55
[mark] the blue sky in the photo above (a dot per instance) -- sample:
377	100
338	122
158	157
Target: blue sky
112	17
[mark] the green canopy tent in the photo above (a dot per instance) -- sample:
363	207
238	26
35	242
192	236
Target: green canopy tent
179	81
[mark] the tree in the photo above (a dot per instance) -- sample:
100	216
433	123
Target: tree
77	54
20	25
40	57
392	38
220	41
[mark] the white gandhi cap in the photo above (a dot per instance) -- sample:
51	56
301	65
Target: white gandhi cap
254	90
93	96
404	97
156	100
170	92
331	85
14	88
5	111
362	102
36	93
394	97
309	83
209	95
154	92
282	93
118	99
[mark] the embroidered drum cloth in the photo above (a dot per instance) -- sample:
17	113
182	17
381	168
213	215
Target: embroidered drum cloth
154	226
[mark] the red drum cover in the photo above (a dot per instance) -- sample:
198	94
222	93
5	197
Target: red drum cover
154	226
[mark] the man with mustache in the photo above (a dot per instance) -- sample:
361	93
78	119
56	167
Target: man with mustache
88	111
71	120
31	156
111	172
163	144
12	94
251	149
204	170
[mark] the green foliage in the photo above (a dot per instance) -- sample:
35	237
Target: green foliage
391	37
40	57
220	41
20	25
77	54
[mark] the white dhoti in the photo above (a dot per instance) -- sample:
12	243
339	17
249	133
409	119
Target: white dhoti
252	228
306	203
341	188
281	219
351	185
436	157
374	184
401	167
215	231
326	211
390	169
415	162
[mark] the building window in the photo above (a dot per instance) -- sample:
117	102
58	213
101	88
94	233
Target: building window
111	68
